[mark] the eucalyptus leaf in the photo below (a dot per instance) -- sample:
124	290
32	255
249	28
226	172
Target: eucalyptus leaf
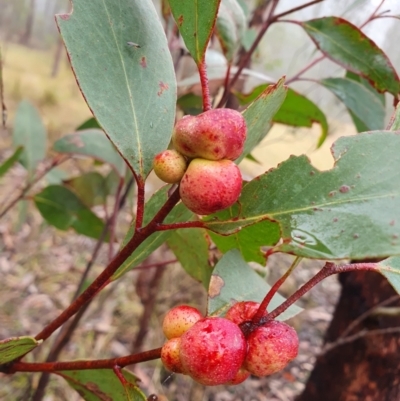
118	71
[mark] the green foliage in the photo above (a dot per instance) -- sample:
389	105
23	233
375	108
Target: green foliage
14	347
101	385
191	247
63	209
7	164
93	143
345	44
30	133
195	21
259	114
131	97
346	212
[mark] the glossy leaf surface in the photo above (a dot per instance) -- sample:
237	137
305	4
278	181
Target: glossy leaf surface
178	214
190	246
350	211
91	143
7	164
14	347
234	280
132	98
29	132
366	106
348	46
195	21
259	114
103	384
248	240
62	209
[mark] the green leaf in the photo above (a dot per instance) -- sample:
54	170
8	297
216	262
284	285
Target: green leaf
259	114
178	214
233	280
249	240
132	98
195	21
390	268
230	27
92	143
91	188
349	212
14	347
103	385
360	101
394	124
63	209
191	104
7	164
88	124
30	133
190	246
345	44
299	111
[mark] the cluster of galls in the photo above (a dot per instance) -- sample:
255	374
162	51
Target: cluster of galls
205	147
214	350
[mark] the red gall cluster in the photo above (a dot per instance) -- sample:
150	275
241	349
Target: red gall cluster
205	147
214	350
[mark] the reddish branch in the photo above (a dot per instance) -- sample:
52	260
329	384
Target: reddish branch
85	365
325	272
104	278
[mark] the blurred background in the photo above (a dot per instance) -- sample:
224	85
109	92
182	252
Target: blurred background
39	265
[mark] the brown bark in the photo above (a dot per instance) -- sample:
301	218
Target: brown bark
367	368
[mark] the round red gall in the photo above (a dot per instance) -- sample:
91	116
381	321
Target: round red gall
169	166
243	311
180	319
270	348
213	351
170	355
209	186
213	135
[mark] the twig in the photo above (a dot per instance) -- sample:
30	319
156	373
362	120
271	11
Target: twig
298	8
152	288
140	203
364	333
54	367
325	272
274	289
246	58
54	163
174	226
104	278
67	330
366	314
305	69
372	16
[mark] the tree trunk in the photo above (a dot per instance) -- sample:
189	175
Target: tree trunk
367	368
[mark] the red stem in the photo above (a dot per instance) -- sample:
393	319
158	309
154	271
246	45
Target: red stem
140	203
85	365
298	8
274	289
103	279
174	226
325	272
246	58
204	85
